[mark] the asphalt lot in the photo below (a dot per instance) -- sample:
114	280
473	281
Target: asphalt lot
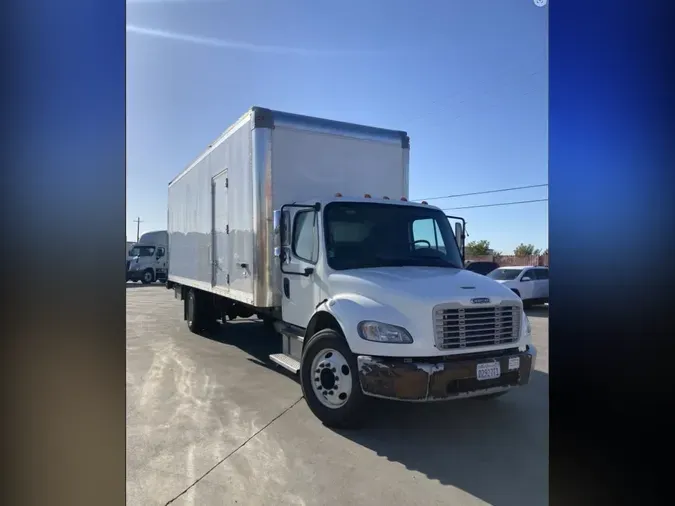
211	421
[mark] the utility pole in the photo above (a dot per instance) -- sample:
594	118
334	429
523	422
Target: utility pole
138	228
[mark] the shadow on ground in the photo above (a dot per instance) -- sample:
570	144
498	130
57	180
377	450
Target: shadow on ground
537	311
131	284
496	450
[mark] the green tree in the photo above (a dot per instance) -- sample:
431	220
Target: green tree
478	248
525	250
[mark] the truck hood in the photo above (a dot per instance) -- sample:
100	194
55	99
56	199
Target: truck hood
430	285
406	297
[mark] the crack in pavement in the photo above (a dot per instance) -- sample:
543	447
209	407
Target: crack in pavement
236	450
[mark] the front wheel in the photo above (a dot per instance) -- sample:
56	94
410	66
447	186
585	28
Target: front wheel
148	277
330	383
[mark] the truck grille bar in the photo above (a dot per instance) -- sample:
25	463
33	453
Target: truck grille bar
457	326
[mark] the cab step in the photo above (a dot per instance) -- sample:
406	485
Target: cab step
288	363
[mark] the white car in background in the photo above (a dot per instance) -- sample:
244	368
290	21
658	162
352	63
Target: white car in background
530	283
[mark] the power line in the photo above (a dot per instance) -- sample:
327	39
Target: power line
486	192
495	205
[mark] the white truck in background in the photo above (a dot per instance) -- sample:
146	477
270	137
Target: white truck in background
305	223
148	259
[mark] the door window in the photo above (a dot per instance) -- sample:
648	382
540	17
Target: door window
529	273
160	252
427	235
542	274
305	240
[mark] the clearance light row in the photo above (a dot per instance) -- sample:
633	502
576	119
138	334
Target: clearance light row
367	196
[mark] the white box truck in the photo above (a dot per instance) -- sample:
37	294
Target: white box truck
148	259
305	223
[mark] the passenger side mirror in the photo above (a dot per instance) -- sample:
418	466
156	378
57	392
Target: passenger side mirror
459	235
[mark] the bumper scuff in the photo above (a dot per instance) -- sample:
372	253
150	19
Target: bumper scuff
448	378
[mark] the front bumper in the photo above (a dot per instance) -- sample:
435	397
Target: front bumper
134	275
442	378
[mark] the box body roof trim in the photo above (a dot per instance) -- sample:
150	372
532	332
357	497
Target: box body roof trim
267	118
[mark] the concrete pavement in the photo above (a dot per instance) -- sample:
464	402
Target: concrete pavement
211	421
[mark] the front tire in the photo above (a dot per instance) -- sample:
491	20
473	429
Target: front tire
148	277
330	382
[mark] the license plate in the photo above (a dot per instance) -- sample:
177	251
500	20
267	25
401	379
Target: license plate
490	370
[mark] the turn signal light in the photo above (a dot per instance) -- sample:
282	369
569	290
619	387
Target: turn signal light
385	198
425	202
338	194
367	195
404	199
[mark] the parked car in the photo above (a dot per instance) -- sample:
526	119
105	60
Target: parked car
530	283
481	267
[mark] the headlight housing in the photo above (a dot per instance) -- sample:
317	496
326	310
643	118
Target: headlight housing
383	333
527	328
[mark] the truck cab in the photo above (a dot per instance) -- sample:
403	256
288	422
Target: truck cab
376	302
148	259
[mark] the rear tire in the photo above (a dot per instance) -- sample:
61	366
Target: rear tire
329	349
194	313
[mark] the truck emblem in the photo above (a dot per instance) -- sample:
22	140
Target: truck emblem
480	300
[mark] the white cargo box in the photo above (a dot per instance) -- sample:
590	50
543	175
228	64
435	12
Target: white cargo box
220	209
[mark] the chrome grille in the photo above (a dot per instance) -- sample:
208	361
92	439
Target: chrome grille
458	326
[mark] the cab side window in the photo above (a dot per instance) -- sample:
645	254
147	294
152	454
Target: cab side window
426	231
160	252
305	240
529	273
542	273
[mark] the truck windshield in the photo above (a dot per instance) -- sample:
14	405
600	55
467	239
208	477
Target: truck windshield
363	235
142	251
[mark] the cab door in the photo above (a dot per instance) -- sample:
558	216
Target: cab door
542	283
160	262
528	284
298	259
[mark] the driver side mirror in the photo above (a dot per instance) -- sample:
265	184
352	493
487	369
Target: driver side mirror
281	228
526	278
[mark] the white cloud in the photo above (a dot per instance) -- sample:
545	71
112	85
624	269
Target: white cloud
233	44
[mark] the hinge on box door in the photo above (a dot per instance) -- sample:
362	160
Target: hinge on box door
227	229
227	182
228	279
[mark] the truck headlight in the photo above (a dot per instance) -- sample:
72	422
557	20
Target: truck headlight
383	332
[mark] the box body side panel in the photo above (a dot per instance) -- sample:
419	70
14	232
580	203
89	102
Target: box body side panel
190	219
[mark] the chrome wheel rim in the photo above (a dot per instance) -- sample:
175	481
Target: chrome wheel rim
331	378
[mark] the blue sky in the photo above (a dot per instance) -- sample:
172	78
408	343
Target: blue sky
467	79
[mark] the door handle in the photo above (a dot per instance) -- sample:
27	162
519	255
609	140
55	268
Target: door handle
243	265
